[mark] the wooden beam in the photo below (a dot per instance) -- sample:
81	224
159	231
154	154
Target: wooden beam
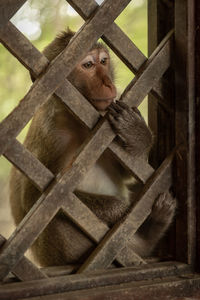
185	125
108	279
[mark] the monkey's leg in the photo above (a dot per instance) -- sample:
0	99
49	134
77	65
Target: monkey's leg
151	231
61	243
107	208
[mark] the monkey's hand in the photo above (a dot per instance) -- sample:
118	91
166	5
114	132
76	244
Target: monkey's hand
131	128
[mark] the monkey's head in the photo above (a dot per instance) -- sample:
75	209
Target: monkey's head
93	76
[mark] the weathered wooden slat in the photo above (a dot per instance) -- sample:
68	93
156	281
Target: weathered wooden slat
118	236
84	9
42	89
25	270
29	165
8	8
14	248
88	115
149	74
185	127
139	166
55	271
97	279
127	257
119	42
82	216
79	213
176	288
22	48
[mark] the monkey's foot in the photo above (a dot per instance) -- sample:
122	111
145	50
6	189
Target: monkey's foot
164	207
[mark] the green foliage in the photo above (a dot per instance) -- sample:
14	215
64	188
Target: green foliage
47	18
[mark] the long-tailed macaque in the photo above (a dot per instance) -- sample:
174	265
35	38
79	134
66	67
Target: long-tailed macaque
55	135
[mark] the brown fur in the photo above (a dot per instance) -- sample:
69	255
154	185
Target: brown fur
55	136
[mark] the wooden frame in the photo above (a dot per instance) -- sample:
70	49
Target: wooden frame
149	80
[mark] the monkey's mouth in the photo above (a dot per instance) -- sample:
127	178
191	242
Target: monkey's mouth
102	104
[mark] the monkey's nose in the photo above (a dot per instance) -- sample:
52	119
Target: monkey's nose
107	82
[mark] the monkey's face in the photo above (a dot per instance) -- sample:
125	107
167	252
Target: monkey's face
93	78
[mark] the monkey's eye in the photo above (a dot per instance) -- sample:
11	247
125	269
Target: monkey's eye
88	64
104	61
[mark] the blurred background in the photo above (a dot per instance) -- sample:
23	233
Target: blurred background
40	21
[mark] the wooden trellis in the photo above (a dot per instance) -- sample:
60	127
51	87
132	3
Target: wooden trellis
112	245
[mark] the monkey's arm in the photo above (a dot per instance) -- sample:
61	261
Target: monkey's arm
131	128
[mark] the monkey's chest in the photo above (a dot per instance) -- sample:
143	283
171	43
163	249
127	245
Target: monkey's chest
104	179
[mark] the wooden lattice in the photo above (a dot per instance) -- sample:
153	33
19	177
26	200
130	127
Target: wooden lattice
52	79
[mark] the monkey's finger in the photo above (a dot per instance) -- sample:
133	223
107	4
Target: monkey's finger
113	112
122	105
117	107
113	122
136	110
121	141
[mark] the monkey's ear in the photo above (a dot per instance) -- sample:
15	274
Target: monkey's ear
56	46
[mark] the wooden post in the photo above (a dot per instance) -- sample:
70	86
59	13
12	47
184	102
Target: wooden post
197	90
185	134
161	114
